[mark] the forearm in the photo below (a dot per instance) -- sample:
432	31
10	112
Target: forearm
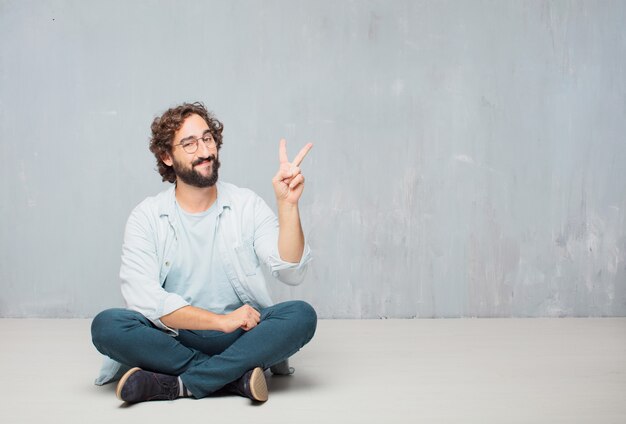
290	235
193	318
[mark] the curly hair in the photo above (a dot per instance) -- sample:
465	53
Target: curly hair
164	128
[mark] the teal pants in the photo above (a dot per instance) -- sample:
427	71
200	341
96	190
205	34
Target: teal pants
205	360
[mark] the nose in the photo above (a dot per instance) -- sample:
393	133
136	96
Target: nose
203	149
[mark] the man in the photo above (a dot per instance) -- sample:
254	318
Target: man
199	317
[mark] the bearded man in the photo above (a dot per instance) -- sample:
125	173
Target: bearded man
198	314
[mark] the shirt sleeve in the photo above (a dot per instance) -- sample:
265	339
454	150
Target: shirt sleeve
140	270
266	246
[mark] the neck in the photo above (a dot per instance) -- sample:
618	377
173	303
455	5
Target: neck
195	199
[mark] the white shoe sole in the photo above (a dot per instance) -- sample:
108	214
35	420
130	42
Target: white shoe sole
258	385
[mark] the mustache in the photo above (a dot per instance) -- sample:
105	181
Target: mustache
209	158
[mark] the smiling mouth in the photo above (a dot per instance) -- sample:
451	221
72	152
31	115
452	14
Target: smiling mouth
204	162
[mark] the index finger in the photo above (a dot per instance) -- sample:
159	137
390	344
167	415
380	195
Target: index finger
282	151
298	159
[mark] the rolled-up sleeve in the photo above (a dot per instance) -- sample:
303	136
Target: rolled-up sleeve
290	272
139	272
266	247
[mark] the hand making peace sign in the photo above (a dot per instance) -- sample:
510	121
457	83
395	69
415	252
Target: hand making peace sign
288	181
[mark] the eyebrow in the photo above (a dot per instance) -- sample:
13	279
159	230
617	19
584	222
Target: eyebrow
193	136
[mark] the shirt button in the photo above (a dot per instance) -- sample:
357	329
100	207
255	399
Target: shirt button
167	263
275	273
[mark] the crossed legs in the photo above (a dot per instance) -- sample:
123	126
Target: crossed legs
205	360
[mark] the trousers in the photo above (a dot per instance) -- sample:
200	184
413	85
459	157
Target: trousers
205	360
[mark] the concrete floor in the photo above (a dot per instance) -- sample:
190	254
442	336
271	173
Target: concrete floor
354	371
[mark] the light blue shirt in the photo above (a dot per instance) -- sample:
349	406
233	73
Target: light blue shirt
197	272
246	237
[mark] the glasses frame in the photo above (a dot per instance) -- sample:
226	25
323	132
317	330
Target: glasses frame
193	142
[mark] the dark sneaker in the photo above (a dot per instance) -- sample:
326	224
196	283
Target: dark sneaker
138	385
251	385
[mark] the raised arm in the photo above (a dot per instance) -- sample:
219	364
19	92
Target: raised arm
288	186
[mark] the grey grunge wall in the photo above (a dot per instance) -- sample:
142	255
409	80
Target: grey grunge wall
468	156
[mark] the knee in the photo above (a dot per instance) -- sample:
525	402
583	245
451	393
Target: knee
306	317
101	326
106	326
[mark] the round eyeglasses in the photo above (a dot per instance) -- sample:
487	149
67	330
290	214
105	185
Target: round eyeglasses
190	144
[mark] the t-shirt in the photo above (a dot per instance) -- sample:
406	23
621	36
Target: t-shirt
197	272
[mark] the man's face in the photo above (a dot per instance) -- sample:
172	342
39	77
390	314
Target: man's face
198	169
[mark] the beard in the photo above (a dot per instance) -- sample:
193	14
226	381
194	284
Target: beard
192	177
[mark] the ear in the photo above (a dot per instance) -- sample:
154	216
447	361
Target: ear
166	158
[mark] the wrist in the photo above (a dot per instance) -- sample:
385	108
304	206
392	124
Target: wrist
220	323
286	206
